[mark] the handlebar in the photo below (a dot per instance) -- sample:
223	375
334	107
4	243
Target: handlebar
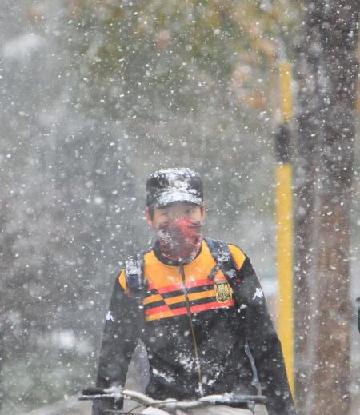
116	393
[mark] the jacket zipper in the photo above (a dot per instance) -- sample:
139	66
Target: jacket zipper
188	312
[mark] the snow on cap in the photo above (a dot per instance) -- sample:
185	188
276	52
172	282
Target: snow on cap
173	185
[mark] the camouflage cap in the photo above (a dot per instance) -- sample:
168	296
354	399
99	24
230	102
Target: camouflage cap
167	186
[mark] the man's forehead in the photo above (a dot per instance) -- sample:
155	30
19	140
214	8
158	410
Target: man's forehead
177	205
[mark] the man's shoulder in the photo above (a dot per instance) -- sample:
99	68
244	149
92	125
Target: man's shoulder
132	268
237	254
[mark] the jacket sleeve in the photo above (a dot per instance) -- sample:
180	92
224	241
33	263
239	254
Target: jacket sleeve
263	342
122	329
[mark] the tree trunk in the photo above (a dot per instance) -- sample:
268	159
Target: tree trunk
306	148
323	351
331	367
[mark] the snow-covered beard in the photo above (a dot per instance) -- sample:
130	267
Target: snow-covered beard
180	240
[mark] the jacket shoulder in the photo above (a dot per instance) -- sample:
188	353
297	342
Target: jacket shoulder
238	255
133	268
122	279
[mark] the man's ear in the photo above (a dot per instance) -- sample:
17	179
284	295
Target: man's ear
203	212
148	217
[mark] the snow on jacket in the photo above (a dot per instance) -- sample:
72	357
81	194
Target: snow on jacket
198	332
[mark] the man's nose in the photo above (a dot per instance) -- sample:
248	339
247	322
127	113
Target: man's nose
178	215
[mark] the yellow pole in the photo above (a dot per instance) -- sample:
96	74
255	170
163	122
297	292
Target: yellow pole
285	91
284	215
285	266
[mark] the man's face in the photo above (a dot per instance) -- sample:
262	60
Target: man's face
180	210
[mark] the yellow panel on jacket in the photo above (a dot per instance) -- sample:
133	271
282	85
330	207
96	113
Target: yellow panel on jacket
169	296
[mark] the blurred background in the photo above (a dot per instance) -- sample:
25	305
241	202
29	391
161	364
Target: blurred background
94	96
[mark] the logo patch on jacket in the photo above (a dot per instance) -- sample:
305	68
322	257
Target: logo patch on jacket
223	291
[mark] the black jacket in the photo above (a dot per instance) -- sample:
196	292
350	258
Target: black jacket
196	339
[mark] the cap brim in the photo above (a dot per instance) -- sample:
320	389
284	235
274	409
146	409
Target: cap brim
172	196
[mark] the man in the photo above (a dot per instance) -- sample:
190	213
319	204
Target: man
198	307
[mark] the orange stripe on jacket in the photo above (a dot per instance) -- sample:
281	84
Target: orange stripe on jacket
158	313
180	286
